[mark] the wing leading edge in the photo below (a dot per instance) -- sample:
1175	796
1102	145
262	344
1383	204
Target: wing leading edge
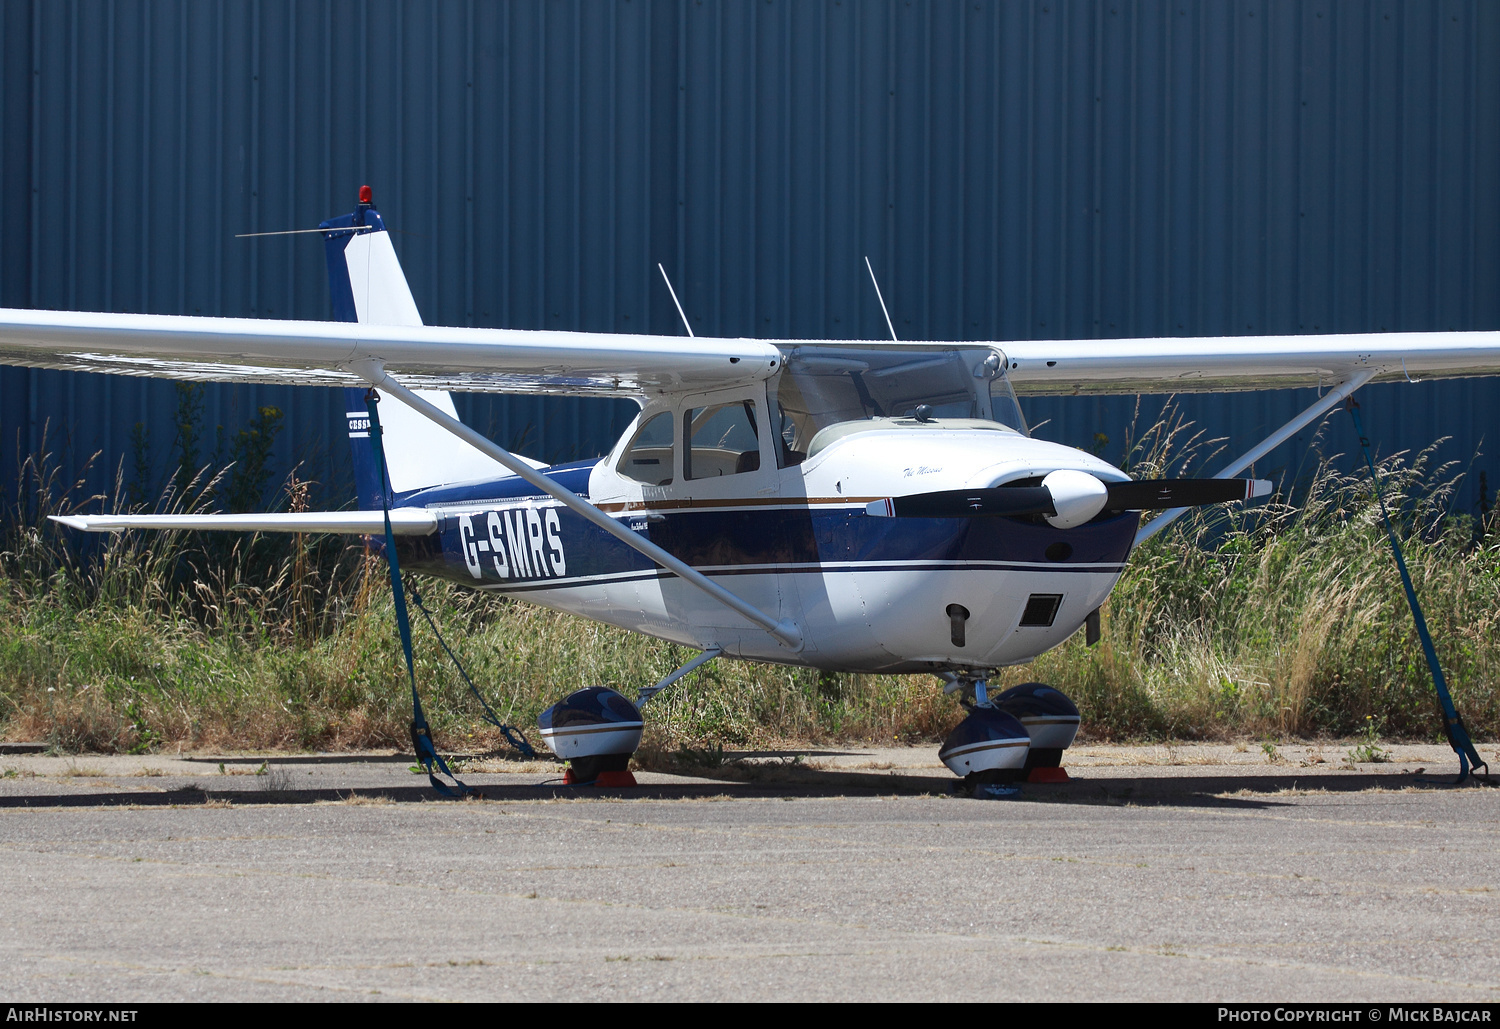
1213	365
427	356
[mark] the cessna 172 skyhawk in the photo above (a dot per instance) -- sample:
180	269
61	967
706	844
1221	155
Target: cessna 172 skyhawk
851	506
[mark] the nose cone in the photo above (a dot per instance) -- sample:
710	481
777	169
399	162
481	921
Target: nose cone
1076	496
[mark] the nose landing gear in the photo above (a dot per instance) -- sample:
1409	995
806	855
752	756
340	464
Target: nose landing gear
1017	736
988	748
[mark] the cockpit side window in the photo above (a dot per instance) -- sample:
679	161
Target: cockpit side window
787	453
648	459
721	440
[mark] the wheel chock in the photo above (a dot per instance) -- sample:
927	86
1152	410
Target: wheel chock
611	779
1053	774
608	780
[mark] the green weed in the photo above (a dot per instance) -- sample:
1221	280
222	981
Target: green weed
1368	750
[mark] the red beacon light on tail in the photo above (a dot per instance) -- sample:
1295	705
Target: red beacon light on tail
366	195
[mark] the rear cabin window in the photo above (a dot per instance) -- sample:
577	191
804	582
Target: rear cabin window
721	440
648	459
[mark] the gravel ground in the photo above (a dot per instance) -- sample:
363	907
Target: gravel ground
1191	872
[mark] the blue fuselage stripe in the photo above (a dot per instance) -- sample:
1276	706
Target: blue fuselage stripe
533	544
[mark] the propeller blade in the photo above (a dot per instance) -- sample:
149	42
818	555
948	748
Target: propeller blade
1020	501
1002	502
1157	494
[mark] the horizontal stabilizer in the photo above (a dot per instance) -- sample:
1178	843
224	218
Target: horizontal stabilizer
408	521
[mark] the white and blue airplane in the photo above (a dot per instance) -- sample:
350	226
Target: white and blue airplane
842	505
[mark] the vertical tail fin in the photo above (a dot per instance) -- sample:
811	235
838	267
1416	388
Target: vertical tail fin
368	286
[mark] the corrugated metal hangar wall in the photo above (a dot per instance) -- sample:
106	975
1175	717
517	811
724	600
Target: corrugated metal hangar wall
1013	169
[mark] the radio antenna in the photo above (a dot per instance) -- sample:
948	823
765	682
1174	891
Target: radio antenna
300	232
672	291
881	298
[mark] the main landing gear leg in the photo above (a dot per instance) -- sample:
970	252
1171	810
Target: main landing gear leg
702	659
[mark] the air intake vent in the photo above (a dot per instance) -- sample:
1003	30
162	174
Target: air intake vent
1041	609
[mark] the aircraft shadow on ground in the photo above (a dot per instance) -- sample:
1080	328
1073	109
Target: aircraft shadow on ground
780	779
1118	787
294	759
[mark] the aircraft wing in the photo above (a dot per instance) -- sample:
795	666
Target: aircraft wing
608	364
1212	365
424	357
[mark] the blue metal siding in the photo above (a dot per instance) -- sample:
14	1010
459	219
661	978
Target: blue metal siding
1013	170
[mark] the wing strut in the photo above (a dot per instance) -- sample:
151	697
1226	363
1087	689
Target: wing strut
785	631
1325	404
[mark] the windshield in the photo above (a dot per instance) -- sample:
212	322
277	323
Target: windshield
824	386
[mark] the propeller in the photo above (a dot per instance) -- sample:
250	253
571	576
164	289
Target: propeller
1068	498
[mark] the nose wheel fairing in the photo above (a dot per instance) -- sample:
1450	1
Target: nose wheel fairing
595	730
988	744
